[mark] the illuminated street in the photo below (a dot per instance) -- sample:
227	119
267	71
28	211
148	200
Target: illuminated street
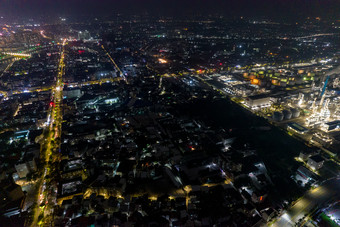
169	113
314	198
115	65
50	145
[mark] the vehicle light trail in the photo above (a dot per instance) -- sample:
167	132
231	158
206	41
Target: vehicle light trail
48	147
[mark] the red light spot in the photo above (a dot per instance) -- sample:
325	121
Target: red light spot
191	147
51	104
81	51
221	64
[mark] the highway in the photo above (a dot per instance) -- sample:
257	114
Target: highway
328	191
51	144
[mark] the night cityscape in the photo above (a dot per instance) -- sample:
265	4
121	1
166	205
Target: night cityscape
169	113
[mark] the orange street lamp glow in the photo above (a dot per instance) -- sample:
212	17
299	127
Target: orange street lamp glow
162	61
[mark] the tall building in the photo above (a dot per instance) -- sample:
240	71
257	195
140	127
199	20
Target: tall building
26	167
11	197
22	170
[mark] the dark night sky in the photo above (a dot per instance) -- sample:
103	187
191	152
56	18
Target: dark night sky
283	8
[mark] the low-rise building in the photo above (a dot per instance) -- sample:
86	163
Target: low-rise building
331	126
304	155
297	128
258	101
315	162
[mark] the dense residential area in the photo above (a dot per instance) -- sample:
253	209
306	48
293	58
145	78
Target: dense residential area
144	120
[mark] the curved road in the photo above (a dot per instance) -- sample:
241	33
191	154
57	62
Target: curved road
329	190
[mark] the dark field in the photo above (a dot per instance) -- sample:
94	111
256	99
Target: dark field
275	147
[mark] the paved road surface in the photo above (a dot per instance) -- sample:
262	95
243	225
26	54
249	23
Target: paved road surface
330	190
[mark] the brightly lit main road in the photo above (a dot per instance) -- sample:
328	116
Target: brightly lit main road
51	143
315	198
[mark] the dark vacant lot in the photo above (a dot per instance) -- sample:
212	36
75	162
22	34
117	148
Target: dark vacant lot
276	148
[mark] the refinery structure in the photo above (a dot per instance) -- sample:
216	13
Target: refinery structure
302	98
314	112
322	101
